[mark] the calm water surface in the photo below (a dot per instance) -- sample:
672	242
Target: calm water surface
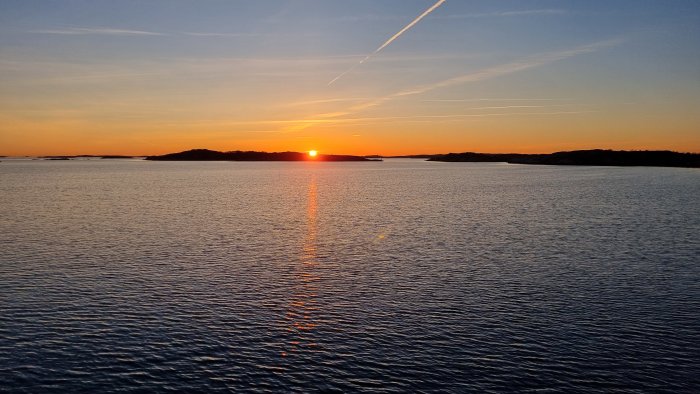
395	276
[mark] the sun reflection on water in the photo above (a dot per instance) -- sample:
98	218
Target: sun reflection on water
299	318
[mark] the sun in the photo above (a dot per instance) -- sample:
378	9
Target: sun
313	153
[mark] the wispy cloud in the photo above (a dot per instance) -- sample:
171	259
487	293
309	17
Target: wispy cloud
40	68
91	77
392	39
532	12
366	17
485	74
496	71
514	106
506	14
457	117
222	35
297	125
98	31
106	31
495	14
354	105
326	101
494	99
517	106
449	117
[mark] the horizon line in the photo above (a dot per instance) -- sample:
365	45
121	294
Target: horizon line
89	155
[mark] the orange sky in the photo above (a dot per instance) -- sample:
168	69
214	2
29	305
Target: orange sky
391	78
499	133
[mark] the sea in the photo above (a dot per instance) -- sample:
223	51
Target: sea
401	276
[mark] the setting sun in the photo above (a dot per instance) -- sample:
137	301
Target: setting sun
463	143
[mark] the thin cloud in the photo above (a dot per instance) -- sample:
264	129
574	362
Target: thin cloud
446	117
495	71
98	31
301	124
493	99
325	101
455	117
521	106
101	77
222	35
262	131
487	73
512	106
390	40
506	14
382	18
366	17
532	12
128	32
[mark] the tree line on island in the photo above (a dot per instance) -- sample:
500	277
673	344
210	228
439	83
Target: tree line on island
593	157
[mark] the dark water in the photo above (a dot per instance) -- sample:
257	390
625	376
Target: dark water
399	276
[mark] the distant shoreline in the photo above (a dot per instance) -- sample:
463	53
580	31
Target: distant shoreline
594	157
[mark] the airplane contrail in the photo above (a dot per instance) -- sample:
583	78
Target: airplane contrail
476	76
390	40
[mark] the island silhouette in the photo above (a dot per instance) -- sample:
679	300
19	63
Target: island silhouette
212	155
593	157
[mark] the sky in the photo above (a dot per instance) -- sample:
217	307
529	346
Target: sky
388	77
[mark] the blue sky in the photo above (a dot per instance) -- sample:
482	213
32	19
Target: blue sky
472	75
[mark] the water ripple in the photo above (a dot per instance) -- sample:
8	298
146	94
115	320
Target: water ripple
401	276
